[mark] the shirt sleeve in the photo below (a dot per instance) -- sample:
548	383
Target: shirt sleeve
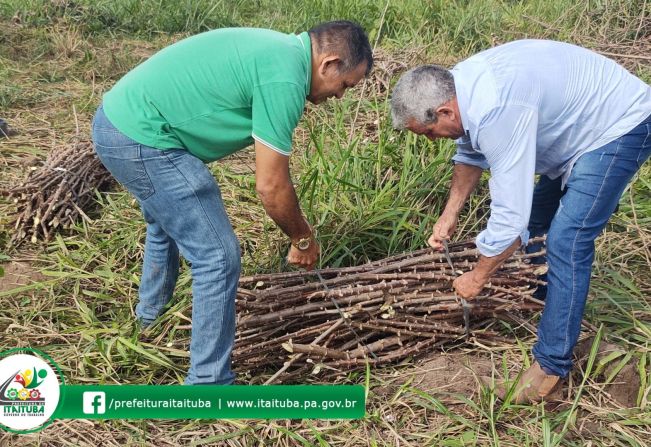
277	107
507	138
467	155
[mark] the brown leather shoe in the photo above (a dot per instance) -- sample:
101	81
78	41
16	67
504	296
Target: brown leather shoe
534	385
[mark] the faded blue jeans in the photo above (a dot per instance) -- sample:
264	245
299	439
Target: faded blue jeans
572	219
183	209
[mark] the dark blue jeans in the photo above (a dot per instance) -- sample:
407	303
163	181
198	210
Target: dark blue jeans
572	219
182	206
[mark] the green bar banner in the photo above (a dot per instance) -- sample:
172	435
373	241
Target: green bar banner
211	402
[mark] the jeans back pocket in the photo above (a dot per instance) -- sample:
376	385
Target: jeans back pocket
126	165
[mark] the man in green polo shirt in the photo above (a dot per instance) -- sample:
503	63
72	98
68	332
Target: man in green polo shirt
199	100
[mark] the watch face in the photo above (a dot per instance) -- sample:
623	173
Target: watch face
303	244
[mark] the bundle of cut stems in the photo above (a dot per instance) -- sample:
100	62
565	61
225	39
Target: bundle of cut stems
54	196
380	312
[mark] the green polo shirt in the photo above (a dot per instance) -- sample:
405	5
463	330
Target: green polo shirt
215	92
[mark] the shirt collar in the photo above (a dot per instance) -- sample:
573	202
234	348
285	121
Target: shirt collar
304	38
462	98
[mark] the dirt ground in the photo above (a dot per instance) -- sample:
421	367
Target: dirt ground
458	373
17	274
625	383
453	373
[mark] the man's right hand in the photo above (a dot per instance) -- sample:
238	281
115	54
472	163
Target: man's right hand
444	228
304	258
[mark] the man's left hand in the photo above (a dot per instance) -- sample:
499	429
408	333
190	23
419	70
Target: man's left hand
469	285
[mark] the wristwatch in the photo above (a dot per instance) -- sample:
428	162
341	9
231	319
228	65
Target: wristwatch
303	243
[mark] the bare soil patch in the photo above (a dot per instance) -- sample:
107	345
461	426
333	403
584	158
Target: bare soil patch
18	274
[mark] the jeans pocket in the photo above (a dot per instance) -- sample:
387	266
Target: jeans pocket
126	165
111	138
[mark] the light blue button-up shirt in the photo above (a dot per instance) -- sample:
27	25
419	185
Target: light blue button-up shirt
536	106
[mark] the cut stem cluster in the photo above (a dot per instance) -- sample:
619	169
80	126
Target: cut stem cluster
379	312
54	195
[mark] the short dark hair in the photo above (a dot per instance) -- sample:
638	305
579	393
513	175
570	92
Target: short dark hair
347	40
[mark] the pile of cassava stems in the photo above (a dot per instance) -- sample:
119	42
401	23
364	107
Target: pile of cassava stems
380	312
54	196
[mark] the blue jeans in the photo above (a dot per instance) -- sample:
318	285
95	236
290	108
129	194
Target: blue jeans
572	219
183	209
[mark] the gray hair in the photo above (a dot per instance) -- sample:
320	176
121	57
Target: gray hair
418	93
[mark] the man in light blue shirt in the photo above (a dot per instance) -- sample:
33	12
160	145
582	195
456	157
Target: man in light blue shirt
530	107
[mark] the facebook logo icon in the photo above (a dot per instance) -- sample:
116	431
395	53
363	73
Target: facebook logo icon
94	402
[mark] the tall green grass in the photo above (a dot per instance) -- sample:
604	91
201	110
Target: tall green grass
370	195
464	25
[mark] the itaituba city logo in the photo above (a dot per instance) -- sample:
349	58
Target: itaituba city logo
29	391
26	389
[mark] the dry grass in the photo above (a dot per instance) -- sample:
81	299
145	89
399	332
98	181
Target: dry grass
79	306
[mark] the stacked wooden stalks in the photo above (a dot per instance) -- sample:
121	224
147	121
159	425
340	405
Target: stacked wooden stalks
54	195
380	312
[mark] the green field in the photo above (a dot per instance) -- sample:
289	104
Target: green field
369	190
